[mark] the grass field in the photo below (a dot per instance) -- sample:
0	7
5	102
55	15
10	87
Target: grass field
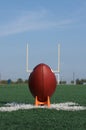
43	119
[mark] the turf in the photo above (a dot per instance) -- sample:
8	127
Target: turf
15	93
43	119
74	93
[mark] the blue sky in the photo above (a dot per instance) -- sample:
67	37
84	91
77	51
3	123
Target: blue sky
43	24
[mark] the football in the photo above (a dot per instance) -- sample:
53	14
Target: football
42	82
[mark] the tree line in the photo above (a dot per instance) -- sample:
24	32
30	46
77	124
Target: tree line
20	80
80	81
9	81
77	81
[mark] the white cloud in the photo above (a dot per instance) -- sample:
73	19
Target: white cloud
31	21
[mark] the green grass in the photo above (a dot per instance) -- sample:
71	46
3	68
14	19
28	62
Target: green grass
43	119
15	93
74	93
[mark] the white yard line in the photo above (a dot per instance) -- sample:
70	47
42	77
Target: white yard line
68	106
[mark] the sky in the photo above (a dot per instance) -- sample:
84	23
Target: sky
43	24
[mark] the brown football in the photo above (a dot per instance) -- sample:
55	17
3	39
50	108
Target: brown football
42	82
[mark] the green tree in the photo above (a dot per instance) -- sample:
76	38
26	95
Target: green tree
19	80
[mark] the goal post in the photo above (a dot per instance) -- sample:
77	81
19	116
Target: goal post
57	72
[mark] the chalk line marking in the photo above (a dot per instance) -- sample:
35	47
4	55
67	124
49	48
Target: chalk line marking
68	106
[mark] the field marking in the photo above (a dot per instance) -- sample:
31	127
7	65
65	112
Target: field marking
68	106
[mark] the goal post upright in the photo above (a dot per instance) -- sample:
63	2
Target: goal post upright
27	61
58	70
